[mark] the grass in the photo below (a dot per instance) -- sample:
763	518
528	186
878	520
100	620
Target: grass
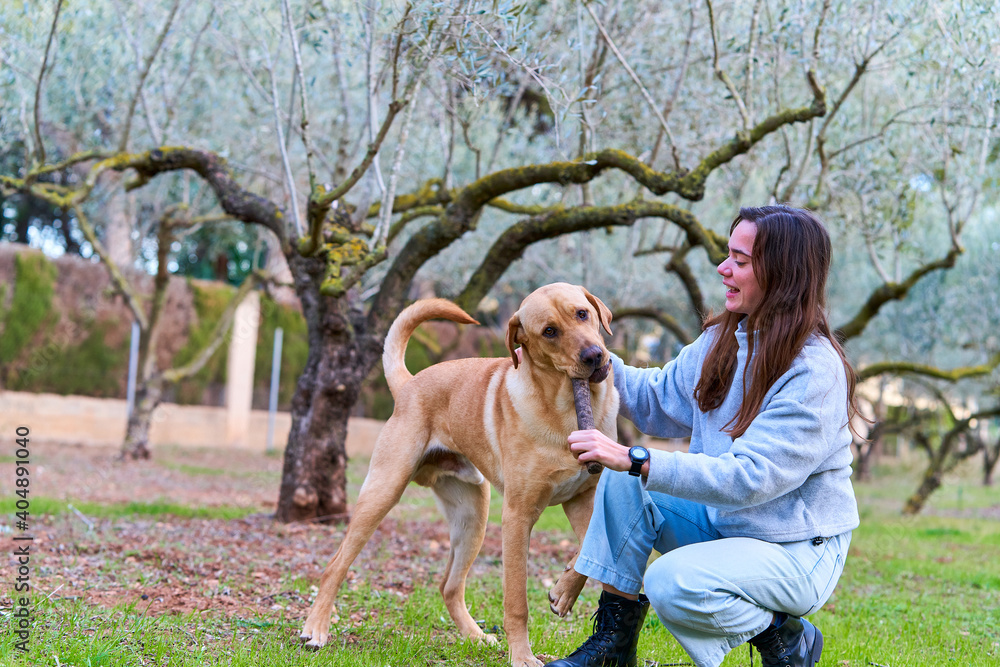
42	505
921	591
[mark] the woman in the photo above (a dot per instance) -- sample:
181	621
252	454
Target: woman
754	522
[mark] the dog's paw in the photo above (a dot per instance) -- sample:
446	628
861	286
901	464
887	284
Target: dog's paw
480	637
563	595
527	661
312	642
561	603
315	635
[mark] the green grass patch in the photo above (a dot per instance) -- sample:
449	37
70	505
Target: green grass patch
911	595
41	505
917	592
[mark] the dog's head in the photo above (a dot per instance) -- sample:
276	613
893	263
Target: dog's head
558	326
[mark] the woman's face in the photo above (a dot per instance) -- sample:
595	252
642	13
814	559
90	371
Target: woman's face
744	293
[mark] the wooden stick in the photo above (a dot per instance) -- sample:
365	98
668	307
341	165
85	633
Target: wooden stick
585	416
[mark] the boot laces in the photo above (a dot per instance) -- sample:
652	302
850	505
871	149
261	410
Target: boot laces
773	652
603	638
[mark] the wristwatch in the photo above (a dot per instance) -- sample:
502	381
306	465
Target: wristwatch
638	455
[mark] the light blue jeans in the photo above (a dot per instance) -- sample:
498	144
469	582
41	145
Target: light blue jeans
711	592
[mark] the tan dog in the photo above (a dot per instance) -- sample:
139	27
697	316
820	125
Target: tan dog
461	425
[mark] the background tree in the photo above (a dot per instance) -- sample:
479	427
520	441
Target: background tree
384	143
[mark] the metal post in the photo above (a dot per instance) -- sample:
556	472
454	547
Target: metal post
272	407
133	367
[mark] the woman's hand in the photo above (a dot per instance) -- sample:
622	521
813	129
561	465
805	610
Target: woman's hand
593	445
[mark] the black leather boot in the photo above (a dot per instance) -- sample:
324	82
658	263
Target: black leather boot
794	643
617	622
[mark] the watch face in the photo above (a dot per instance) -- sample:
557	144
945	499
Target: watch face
638	454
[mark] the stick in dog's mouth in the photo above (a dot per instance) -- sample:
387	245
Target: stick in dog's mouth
584	411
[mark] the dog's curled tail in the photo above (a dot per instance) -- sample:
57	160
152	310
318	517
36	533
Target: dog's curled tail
394	350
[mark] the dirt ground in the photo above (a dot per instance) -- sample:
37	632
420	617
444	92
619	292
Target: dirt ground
241	567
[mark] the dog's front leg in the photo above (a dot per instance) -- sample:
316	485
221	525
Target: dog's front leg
518	519
563	595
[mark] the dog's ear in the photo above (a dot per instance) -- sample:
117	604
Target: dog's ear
512	326
603	312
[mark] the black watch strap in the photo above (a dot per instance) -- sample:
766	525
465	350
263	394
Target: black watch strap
638	456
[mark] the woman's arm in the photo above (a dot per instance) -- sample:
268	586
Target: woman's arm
660	401
802	425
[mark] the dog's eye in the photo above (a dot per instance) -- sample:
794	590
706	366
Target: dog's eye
550	332
582	314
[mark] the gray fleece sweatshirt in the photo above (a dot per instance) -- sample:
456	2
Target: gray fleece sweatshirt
787	478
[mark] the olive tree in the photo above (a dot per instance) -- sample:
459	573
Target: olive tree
380	143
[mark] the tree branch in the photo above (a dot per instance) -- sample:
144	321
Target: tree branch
122	285
327	198
751	51
146	67
320	200
218	334
667	321
635	77
39	146
511	245
283	150
385	217
689	185
239	203
893	292
720	73
71	161
411	215
303	96
679	267
953	375
463	205
668	107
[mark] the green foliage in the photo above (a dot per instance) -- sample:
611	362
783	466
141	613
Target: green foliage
376	398
294	349
210	302
492	347
31	306
92	368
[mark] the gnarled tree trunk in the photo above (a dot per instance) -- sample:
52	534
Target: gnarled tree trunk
341	353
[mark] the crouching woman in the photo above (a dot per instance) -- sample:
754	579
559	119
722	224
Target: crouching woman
754	521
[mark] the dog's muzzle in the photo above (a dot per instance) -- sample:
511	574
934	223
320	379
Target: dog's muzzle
600	374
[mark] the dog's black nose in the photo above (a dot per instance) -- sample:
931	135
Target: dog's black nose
592	356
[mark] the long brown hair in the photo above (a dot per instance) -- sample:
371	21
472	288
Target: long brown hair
791	261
